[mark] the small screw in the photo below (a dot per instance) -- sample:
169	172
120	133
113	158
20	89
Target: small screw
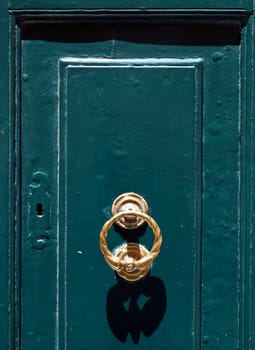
40	243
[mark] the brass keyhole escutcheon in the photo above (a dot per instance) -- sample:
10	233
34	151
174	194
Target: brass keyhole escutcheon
132	261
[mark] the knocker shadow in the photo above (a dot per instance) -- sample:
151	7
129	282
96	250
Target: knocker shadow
131	235
136	308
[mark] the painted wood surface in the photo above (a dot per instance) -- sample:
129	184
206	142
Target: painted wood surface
142	4
109	108
110	103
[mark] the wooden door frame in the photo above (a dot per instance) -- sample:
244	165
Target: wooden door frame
11	198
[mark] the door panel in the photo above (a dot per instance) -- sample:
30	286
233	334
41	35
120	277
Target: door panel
112	113
101	117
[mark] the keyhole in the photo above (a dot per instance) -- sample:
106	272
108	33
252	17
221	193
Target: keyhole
39	209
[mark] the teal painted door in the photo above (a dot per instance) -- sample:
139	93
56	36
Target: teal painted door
109	108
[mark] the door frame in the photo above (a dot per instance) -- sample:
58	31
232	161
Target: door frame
10	119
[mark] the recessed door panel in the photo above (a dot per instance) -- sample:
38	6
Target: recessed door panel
125	127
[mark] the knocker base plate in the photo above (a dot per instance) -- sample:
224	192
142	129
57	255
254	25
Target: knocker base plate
133	203
131	252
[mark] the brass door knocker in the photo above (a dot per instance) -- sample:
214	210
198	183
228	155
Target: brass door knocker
131	261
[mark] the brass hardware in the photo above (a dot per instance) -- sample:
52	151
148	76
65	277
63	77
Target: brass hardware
130	202
132	261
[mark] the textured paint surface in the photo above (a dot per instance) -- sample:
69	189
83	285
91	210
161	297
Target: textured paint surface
6	195
133	107
130	160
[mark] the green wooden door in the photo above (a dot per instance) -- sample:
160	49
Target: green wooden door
111	106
